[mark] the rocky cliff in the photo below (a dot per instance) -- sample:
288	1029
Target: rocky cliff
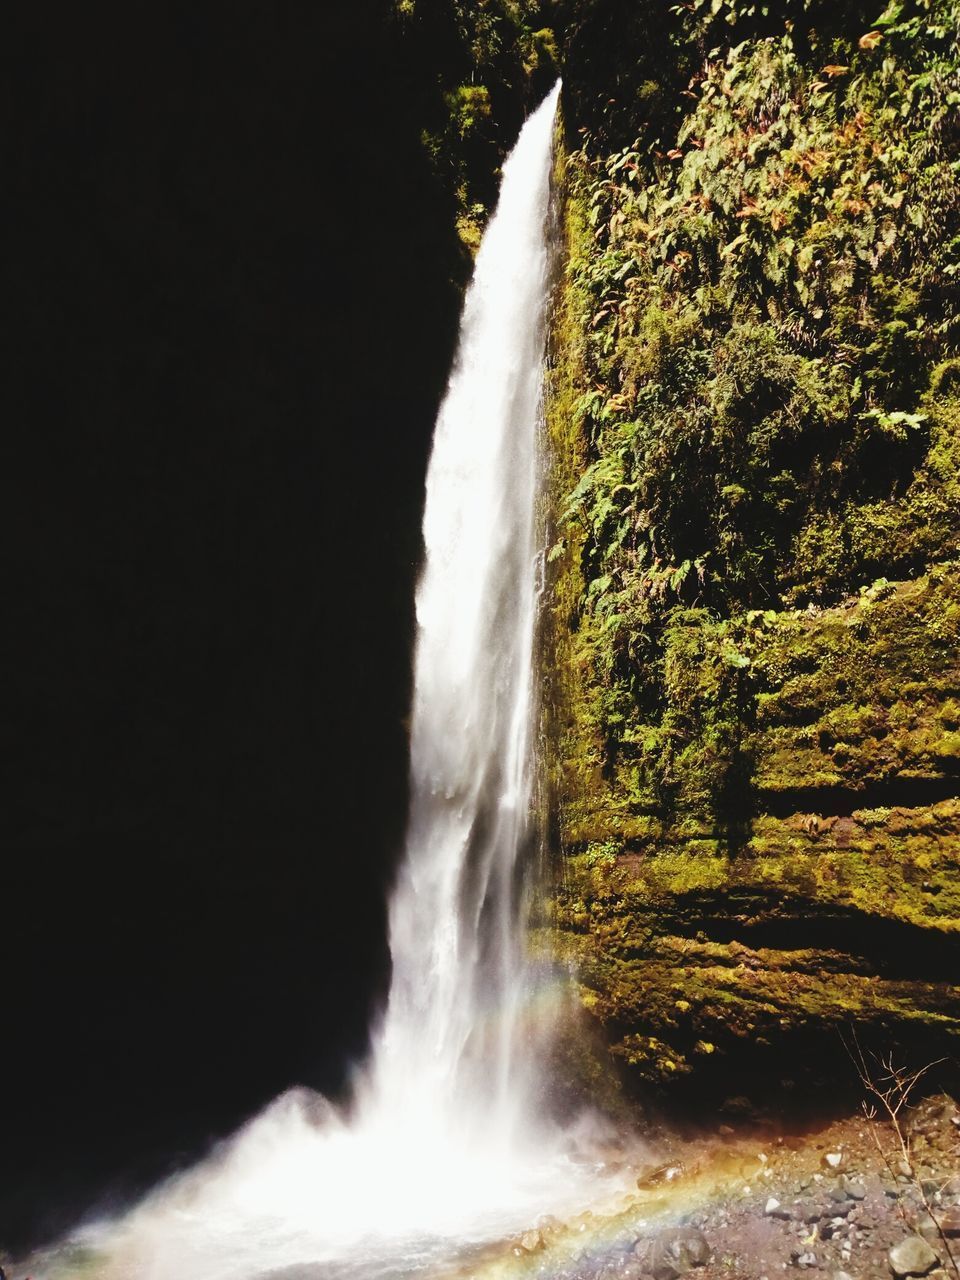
752	686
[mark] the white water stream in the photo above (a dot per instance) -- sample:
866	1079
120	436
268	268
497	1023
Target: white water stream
454	1055
448	1142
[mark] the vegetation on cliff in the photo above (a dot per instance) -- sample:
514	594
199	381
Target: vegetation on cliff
755	420
481	66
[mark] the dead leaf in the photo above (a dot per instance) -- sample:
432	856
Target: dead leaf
870	40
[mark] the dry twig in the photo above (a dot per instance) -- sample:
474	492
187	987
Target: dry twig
890	1086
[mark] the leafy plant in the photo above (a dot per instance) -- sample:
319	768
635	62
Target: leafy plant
763	299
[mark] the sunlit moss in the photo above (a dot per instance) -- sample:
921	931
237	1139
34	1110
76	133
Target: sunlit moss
753	606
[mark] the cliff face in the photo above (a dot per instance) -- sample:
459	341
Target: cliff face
752	642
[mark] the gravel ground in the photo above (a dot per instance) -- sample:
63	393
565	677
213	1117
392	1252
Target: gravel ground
840	1201
847	1201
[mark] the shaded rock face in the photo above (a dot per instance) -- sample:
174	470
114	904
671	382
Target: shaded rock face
693	955
752	634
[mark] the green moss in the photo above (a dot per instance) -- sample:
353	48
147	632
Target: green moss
859	694
752	691
700	1003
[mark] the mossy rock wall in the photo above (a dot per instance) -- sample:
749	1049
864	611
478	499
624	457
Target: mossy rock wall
752	633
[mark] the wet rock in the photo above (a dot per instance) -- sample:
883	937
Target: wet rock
912	1257
532	1241
660	1175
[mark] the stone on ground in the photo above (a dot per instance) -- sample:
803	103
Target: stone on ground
912	1257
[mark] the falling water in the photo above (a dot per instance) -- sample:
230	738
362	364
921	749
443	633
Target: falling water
453	1055
447	1143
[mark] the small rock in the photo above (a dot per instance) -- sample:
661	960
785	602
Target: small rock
532	1241
832	1160
659	1175
842	1275
676	1252
947	1222
772	1205
632	1269
855	1190
781	1212
929	1231
810	1213
738	1106
807	1260
912	1257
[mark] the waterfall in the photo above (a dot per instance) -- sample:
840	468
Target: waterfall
453	1055
447	1143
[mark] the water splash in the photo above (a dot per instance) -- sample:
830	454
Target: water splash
448	1143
